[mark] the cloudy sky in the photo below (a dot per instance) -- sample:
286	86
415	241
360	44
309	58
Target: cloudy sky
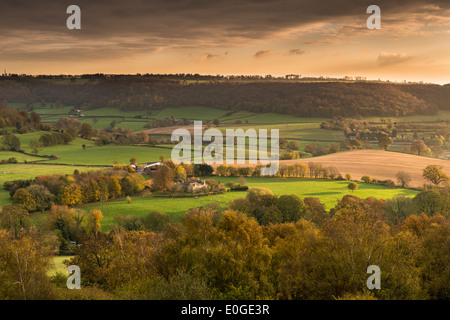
277	37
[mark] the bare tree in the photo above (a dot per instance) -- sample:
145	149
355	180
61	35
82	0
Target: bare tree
404	178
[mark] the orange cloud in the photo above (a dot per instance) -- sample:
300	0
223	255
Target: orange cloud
263	53
388	58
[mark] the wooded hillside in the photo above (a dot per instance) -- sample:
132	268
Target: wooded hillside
308	99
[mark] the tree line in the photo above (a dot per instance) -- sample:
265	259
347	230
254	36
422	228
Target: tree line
75	189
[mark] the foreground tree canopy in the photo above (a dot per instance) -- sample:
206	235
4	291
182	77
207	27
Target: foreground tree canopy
260	247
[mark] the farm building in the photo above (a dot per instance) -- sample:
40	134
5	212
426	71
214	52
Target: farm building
195	185
150	168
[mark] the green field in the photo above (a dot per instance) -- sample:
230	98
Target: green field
268	118
20	157
296	131
329	193
442	115
108	155
27	137
194	113
112	112
76	144
74	154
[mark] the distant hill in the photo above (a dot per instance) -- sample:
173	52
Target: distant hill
305	99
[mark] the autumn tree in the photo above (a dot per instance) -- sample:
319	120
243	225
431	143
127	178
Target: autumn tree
293	145
132	258
90	192
70	195
358	224
315	211
203	170
436	151
222	170
114	188
128	222
269	215
163	179
384	142
86	131
67	222
434	257
418	147
94	258
180	173
399	208
143	137
132	184
243	275
296	277
93	225
24	263
41	196
435	174
10	142
156	220
261	196
291	206
69	125
35	118
241	205
433	201
14	218
24	198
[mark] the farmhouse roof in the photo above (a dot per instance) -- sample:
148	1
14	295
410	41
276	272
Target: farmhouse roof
153	164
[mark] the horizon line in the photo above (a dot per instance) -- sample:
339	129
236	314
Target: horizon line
263	77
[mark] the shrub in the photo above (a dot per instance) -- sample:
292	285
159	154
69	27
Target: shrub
261	197
156	220
238	187
389	183
352	186
128	222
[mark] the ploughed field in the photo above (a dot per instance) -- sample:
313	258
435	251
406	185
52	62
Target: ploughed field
377	164
380	164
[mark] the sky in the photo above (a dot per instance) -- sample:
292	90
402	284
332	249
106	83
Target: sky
229	37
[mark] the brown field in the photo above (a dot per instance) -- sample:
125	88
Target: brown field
377	164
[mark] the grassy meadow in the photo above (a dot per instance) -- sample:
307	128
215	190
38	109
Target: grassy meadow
108	155
329	193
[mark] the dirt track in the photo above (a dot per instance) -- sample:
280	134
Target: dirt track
377	164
